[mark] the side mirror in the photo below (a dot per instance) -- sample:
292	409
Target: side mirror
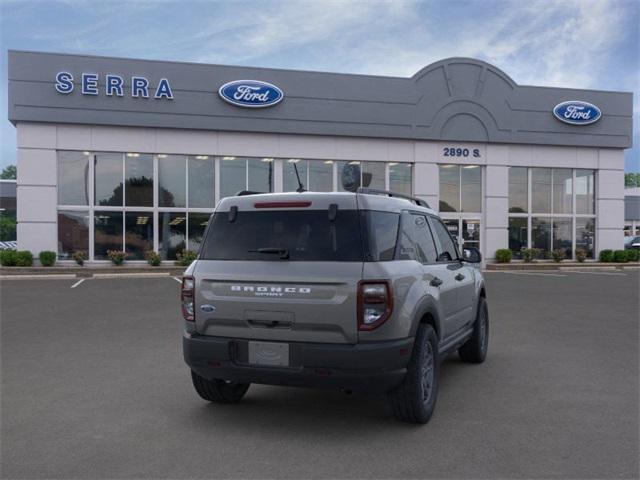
471	255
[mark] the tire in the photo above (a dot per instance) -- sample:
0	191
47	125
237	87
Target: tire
219	391
414	400
475	349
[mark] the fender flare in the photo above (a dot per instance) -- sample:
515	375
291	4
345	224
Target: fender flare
427	306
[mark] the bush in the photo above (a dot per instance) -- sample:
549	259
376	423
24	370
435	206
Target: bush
24	258
153	258
606	256
186	257
581	254
117	256
47	258
530	254
503	255
7	258
633	255
79	256
558	255
620	256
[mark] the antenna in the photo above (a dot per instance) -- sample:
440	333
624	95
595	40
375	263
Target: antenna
300	188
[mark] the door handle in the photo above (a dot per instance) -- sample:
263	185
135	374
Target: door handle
459	277
436	282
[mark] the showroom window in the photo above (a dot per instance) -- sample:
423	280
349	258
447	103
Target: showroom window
460	188
551	209
138	202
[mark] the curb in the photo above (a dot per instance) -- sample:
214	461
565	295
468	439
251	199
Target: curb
497	267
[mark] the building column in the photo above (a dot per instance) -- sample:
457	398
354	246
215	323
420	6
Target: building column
36	190
426	177
610	200
496	209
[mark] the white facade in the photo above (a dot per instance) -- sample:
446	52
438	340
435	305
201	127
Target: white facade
38	144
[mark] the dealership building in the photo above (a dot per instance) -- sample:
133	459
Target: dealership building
133	155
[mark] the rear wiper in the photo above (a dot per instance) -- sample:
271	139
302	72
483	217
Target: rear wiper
283	252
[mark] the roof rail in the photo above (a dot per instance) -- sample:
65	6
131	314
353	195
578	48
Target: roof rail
374	191
243	193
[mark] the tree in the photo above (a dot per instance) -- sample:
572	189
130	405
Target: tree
632	180
9	173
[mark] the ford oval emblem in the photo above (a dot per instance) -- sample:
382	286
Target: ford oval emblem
250	93
577	112
207	308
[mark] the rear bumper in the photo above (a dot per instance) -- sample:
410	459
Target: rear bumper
368	367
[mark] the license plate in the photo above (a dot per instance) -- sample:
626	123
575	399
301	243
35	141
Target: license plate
269	353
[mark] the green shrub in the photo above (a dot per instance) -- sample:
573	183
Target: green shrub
503	255
581	254
117	256
153	258
47	258
24	258
79	256
7	258
186	257
558	255
606	255
620	256
633	255
530	255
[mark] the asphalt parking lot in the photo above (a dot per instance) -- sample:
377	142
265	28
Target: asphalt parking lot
94	386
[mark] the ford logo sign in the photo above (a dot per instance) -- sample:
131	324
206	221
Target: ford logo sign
250	93
576	112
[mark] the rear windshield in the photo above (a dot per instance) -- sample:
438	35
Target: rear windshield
277	235
302	235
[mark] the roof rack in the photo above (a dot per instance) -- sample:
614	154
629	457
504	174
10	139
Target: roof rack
243	193
374	191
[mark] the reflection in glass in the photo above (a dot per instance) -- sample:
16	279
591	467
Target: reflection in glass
449	188
400	178
517	235
108	179
562	190
171	234
233	176
73	178
585	235
320	175
373	175
171	181
108	233
201	182
518	190
260	174
471	188
453	225
138	234
341	166
562	235
289	179
541	190
73	233
541	235
585	192
138	173
471	233
197	224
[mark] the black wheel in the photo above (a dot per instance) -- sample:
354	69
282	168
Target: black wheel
219	391
414	399
475	349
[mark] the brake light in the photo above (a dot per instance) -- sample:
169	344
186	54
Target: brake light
186	298
375	303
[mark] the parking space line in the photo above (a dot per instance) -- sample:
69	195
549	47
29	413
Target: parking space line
535	274
78	283
177	279
599	273
55	276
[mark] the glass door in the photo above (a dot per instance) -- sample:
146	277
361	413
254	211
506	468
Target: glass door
465	231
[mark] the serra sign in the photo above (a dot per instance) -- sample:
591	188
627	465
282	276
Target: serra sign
113	85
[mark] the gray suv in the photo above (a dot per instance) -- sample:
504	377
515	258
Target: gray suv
360	291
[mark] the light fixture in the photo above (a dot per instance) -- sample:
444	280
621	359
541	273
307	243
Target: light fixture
293	160
177	220
86	153
267	159
354	163
142	220
133	155
470	166
448	166
393	164
228	158
162	155
202	157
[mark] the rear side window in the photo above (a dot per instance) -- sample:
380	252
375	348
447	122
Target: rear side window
447	251
381	234
284	235
416	242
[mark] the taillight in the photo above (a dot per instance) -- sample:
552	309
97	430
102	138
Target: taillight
375	303
186	297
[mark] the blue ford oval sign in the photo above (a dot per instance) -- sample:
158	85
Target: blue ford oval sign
250	93
577	112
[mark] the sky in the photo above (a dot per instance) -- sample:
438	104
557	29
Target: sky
567	43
